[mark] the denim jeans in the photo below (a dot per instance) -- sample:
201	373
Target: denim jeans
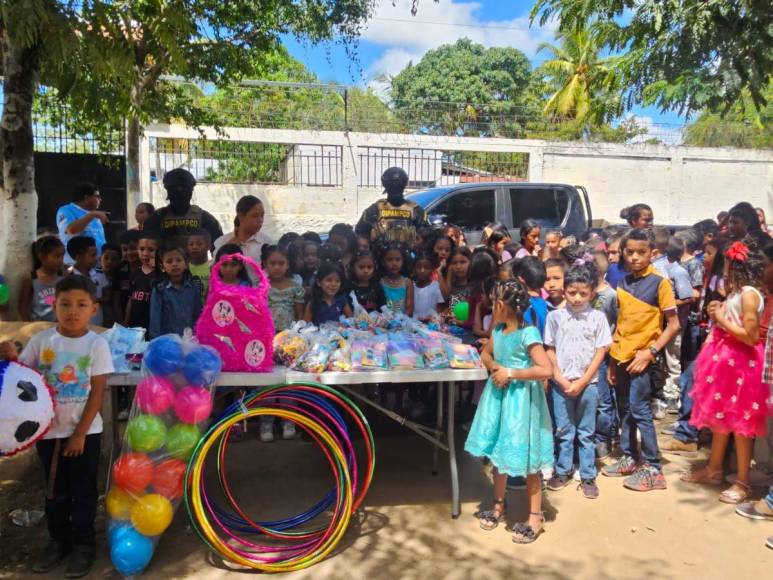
606	421
576	421
685	432
634	401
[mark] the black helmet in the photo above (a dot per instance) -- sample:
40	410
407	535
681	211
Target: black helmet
394	178
179	179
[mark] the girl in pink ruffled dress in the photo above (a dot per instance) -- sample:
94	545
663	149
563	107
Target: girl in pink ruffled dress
730	397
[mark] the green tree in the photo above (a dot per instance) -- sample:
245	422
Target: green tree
681	55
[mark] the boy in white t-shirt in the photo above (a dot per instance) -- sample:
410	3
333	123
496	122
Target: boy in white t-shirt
75	362
427	297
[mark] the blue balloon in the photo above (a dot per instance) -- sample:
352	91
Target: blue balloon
130	552
164	355
116	530
201	366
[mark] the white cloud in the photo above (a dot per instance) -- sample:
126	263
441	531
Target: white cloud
406	38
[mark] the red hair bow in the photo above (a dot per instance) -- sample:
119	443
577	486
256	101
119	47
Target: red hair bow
738	252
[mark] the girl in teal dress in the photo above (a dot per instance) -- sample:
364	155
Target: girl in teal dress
512	425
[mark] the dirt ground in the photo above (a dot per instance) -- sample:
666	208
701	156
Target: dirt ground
405	529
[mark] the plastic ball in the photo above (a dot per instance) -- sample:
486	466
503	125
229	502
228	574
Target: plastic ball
155	395
4	294
151	514
201	366
193	405
133	472
119	503
168	478
462	311
181	440
146	433
164	355
130	552
115	530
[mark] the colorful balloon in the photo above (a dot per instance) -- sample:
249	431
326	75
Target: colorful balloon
181	440
133	472
119	503
155	395
164	355
168	478
462	311
4	294
146	433
130	551
201	366
193	405
151	514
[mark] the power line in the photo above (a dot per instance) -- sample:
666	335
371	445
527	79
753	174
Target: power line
458	24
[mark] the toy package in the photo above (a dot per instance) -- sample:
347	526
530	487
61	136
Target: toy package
124	341
463	356
289	346
370	354
404	352
435	355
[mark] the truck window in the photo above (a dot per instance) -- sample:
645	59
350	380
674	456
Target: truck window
547	206
470	210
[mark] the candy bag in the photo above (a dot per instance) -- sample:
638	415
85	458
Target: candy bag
370	354
289	346
463	356
404	352
435	355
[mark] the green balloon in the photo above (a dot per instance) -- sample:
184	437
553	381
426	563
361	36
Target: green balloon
4	294
181	440
146	433
462	311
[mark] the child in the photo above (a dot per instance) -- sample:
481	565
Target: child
328	302
70	450
552	245
554	282
616	271
105	274
530	233
577	338
498	239
122	280
310	262
645	299
83	250
142	212
285	297
365	286
729	396
531	272
175	303
457	282
142	281
342	235
512	426
36	297
442	248
427	296
199	265
398	290
233	271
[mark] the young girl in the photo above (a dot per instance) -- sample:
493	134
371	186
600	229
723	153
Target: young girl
142	212
365	286
328	301
442	248
552	245
310	262
175	303
286	296
728	393
498	240
398	290
458	288
232	272
36	298
427	296
530	233
512	425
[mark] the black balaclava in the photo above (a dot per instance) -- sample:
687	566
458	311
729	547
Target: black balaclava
179	184
395	180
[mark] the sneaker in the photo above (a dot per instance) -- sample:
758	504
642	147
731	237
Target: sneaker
603	450
659	409
620	468
288	430
516	482
80	562
669	429
266	432
646	478
559	482
676	447
750	510
672	406
589	488
50	556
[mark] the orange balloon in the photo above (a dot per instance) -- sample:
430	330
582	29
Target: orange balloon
133	472
168	478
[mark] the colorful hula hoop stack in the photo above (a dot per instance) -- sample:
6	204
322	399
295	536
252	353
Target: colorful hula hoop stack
318	410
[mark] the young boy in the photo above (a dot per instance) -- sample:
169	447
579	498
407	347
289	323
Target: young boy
645	299
554	282
122	280
198	259
83	250
138	309
105	274
175	303
75	362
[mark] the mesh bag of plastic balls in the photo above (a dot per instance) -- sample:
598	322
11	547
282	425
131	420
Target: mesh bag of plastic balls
170	411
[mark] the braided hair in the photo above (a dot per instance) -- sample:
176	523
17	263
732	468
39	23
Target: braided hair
514	294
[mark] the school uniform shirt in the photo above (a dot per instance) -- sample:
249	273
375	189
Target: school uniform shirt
71	212
641	302
576	335
426	300
141	289
680	281
68	365
251	247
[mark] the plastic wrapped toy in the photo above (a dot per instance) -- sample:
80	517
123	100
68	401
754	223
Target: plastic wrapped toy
463	356
370	354
434	352
404	352
124	341
289	346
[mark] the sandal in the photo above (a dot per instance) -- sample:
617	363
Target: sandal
490	519
703	475
737	493
523	533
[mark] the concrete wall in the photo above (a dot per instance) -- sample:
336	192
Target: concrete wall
682	184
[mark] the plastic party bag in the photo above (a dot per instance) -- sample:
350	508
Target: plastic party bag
404	352
124	341
289	346
435	355
463	356
370	354
171	407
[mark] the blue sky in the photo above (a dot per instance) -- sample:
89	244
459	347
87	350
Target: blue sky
393	38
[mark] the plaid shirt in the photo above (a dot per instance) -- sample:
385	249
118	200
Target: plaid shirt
767	371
